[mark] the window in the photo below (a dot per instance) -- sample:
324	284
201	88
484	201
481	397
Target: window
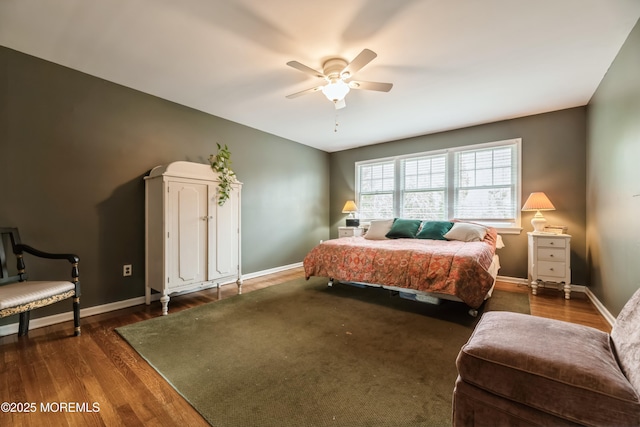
424	185
476	183
377	187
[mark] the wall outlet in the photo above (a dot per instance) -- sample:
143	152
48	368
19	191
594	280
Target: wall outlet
127	270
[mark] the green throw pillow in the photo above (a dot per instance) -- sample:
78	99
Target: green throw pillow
404	228
434	230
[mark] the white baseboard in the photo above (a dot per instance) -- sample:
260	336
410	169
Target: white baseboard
41	322
601	308
525	282
514	280
105	308
271	271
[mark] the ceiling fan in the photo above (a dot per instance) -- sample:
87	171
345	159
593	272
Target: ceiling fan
337	74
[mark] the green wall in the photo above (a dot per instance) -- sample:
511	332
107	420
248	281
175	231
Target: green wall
553	161
613	177
74	150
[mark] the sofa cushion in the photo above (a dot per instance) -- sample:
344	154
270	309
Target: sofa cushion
563	369
626	339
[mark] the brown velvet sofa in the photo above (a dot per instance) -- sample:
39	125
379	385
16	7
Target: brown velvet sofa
521	370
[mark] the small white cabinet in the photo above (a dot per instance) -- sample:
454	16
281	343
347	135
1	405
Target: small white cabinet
549	260
191	241
349	232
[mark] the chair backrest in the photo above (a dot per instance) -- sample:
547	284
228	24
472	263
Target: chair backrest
8	263
625	336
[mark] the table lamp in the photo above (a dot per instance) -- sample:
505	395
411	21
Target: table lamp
538	202
350	207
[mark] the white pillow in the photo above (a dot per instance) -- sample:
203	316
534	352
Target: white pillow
499	242
466	232
378	229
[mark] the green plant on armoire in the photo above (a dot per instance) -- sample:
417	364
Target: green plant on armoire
221	164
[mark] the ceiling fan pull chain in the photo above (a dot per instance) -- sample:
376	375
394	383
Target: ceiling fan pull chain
335	126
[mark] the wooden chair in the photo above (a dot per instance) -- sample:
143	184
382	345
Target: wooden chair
19	295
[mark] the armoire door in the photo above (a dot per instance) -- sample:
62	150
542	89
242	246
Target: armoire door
223	235
187	236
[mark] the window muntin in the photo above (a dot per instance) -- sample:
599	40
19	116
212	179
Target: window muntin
478	183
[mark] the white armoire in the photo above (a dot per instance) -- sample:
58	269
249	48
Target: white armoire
192	242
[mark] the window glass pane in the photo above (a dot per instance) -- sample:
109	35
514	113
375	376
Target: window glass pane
484	159
467	179
375	206
427	205
411	182
484	177
502	176
376	177
467	161
484	204
424	173
411	168
502	157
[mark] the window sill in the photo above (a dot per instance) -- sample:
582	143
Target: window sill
509	230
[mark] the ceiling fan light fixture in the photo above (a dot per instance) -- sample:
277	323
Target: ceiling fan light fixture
336	90
337	74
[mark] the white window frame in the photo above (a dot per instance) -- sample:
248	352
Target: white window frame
505	227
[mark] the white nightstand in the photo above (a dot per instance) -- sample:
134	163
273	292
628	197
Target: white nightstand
549	260
349	232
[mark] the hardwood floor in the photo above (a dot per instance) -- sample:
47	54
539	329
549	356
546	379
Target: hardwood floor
550	303
50	368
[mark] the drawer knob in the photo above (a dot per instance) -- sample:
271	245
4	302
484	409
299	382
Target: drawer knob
551	256
551	243
551	269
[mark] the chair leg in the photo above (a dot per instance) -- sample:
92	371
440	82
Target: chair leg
76	315
23	327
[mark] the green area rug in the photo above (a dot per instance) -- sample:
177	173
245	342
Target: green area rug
302	354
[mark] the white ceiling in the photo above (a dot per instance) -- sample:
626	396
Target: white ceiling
453	63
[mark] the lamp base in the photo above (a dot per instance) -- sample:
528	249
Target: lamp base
538	222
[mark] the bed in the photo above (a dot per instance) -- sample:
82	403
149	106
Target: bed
462	269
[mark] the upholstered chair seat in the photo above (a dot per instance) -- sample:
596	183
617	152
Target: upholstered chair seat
522	370
35	293
18	295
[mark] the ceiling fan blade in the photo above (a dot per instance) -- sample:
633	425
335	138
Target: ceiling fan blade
380	87
301	67
359	61
340	104
303	92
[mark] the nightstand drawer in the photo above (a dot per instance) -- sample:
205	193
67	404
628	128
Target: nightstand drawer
551	269
349	232
552	242
345	233
551	254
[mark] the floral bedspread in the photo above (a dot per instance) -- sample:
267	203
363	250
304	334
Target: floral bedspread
437	266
